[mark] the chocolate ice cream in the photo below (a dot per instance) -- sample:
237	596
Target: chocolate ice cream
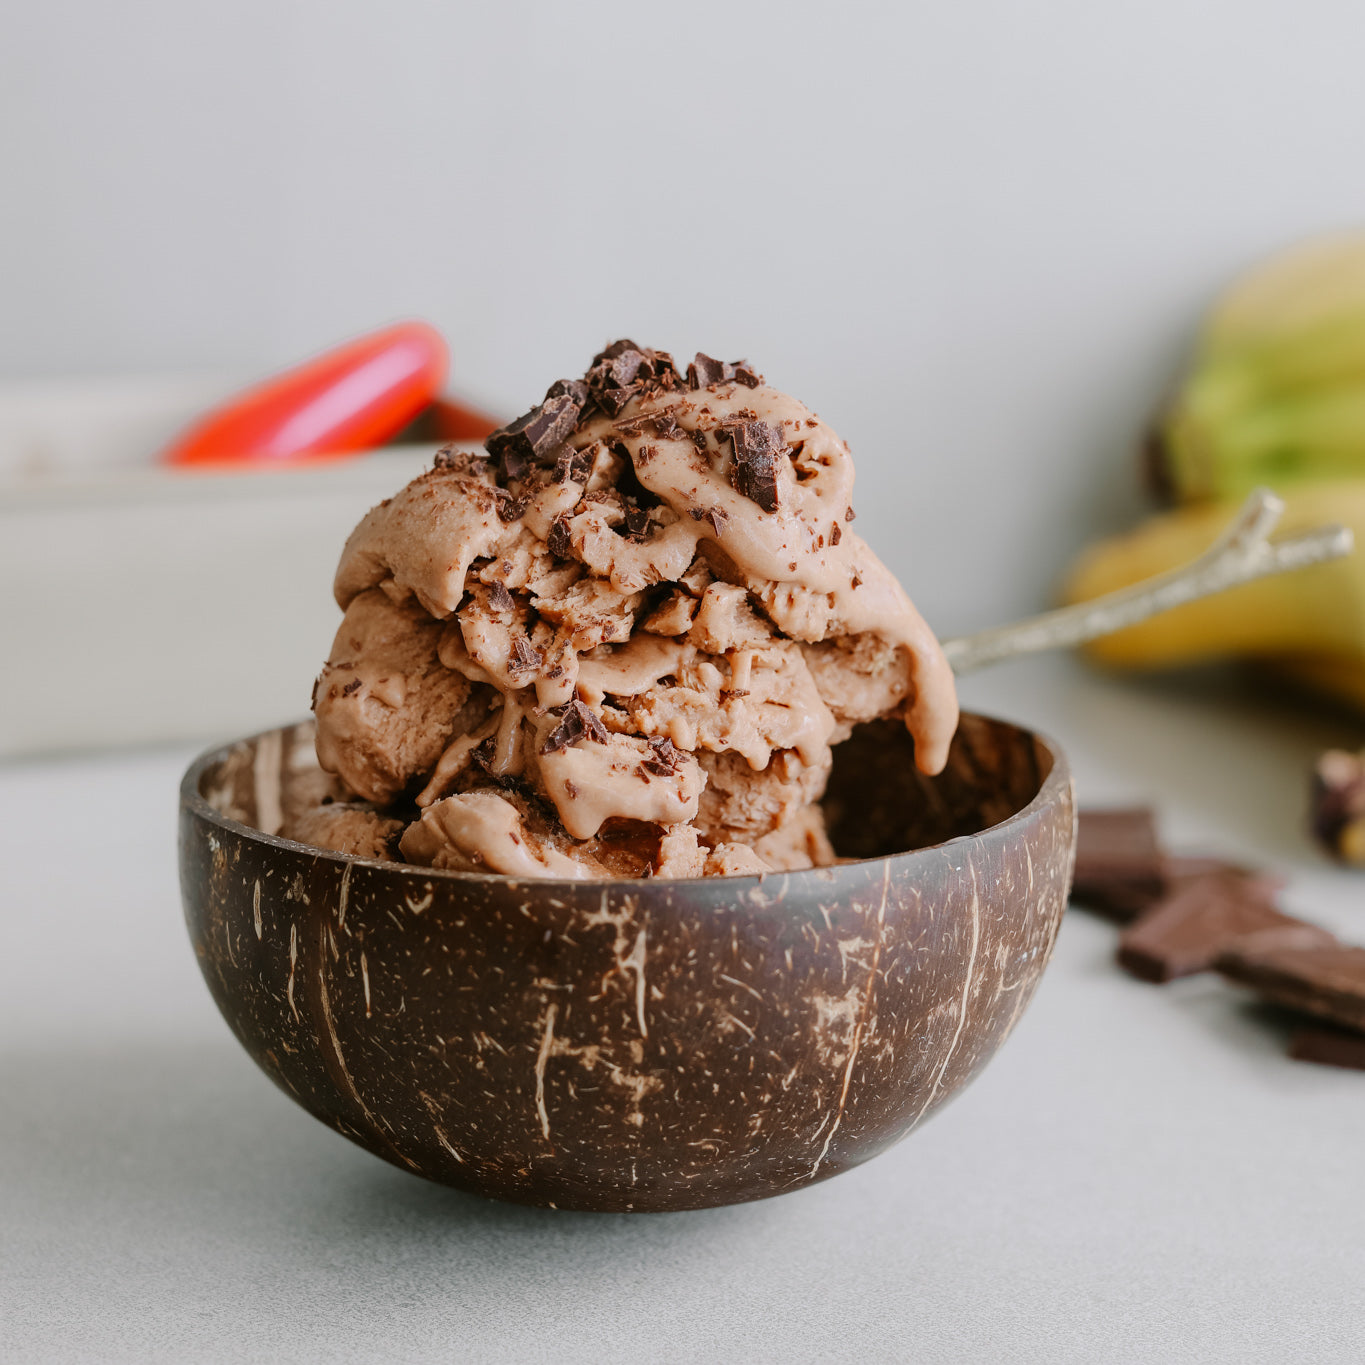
621	642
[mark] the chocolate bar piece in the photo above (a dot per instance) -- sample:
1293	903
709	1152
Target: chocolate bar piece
1204	917
1326	981
1119	865
1328	1046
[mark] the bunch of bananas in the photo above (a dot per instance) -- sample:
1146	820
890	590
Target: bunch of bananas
1275	397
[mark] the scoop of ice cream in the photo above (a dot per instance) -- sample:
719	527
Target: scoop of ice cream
623	641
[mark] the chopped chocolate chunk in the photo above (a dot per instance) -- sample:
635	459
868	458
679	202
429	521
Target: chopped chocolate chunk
614	400
1328	1046
1338	804
577	722
836	533
849	514
571	789
351	687
705	371
746	376
637	519
1119	866
757	446
1187	931
698	440
572	464
509	508
574	389
716	516
664	758
647	453
1326	981
534	434
499	598
525	655
558	541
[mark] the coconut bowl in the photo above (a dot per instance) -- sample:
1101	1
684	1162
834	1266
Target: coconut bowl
648	1044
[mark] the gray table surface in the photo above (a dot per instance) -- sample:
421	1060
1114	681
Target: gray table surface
1141	1175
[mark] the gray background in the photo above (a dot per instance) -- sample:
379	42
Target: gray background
976	237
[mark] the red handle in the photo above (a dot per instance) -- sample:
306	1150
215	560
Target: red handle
346	400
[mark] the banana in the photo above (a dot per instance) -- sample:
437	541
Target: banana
1276	393
1310	623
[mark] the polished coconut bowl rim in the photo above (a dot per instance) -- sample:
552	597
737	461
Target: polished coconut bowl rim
193	800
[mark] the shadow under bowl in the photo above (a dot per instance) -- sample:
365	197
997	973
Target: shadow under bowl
641	1045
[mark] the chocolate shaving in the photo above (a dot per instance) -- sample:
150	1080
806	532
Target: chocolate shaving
525	655
578	722
716	516
499	598
449	460
664	758
757	446
352	686
558	541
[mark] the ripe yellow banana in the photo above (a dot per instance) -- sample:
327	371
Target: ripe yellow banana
1311	622
1276	393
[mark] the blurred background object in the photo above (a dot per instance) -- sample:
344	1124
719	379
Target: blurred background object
976	239
355	397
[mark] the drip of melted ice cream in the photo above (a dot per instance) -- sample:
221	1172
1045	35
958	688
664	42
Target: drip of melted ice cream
624	642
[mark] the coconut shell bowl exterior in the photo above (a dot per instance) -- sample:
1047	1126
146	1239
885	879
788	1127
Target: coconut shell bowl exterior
641	1045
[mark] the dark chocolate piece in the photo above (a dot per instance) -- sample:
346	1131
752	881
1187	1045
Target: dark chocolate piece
757	446
558	542
578	722
574	389
351	687
637	519
1189	929
536	433
1337	804
1119	866
746	376
1328	1046
836	533
664	758
572	464
1326	981
705	371
499	598
525	655
715	516
614	401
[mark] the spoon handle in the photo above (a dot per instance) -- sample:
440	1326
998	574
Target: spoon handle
1242	553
